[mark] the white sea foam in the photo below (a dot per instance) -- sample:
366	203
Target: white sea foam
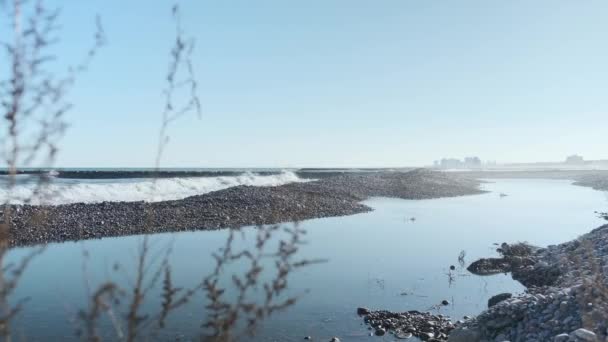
71	191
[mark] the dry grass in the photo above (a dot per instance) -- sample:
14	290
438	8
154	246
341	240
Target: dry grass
233	302
225	313
34	105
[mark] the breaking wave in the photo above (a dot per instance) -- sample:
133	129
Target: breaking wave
61	191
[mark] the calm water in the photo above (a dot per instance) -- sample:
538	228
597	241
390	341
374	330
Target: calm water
379	259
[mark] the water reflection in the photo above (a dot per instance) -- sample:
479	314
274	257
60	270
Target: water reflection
375	260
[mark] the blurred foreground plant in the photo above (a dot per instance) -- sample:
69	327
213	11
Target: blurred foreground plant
33	104
234	304
247	285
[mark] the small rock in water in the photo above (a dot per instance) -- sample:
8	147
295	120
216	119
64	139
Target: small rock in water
452	267
308	338
445	302
362	311
334	339
380	332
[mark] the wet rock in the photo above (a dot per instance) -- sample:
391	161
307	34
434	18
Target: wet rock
563	294
362	311
426	336
403	335
489	266
515	258
408	324
499	323
499	298
464	335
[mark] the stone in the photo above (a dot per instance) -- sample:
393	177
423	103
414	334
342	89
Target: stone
404	325
426	336
334	339
498	298
362	311
561	338
501	338
499	322
403	335
464	335
584	335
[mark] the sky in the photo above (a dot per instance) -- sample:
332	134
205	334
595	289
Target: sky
342	83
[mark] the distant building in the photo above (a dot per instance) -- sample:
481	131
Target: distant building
453	163
575	159
472	162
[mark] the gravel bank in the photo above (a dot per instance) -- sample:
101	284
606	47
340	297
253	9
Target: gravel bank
405	325
336	195
596	179
567	297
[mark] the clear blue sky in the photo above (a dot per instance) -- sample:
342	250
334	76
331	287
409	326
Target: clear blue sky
344	82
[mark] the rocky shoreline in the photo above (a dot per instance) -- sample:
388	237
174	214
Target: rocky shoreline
334	195
566	297
405	325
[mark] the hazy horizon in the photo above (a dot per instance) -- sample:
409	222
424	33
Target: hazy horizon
485	164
